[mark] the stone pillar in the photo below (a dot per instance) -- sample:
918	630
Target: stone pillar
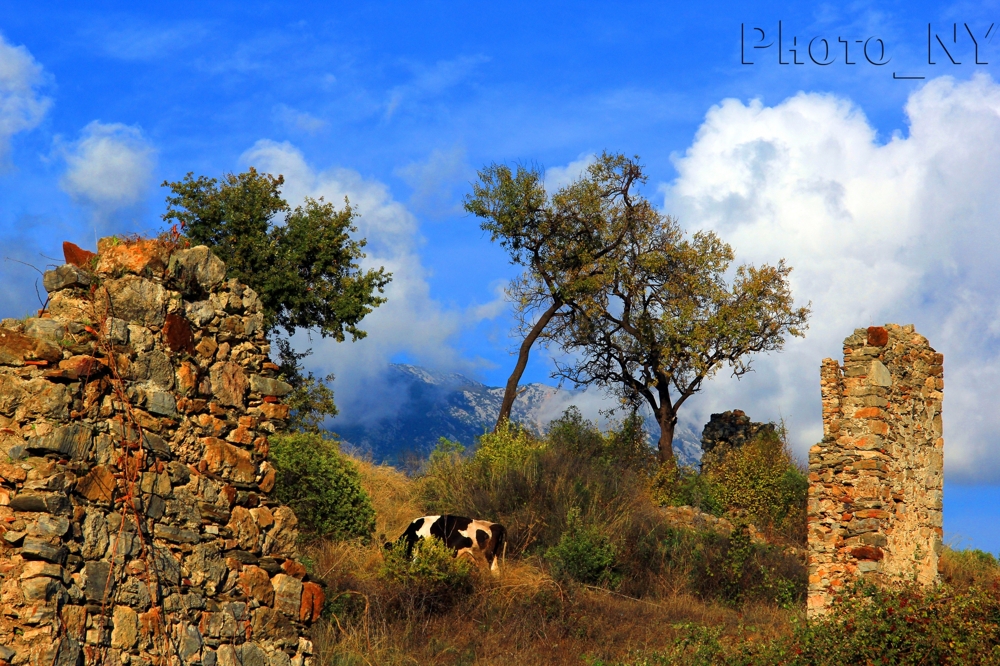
135	521
876	479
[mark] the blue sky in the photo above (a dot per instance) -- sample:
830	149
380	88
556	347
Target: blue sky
880	192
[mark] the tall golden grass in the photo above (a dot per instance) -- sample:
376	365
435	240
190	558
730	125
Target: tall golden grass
522	616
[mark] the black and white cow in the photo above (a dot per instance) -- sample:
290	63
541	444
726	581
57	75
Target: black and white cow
479	540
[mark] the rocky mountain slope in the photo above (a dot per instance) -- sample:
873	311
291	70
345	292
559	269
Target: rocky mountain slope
454	406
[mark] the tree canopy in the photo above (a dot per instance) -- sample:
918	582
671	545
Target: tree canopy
566	242
304	266
668	320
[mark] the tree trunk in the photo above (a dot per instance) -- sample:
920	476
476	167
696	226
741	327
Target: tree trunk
667	419
522	362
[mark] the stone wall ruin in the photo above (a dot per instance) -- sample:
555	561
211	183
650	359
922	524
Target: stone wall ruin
876	479
135	526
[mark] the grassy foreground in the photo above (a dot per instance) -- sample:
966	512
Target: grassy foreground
596	576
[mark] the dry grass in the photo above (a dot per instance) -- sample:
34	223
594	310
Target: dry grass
964	568
393	496
522	616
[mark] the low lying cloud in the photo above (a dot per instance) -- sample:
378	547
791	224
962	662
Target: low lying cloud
903	230
411	324
22	106
559	177
435	181
431	80
299	121
109	168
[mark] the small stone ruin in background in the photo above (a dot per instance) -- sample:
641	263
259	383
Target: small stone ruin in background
731	430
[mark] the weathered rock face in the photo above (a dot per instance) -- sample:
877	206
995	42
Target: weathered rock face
134	521
731	430
876	479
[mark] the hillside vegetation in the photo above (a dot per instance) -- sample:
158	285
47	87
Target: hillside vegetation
598	572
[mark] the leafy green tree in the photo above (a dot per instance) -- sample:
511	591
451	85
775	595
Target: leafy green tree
667	320
565	242
302	263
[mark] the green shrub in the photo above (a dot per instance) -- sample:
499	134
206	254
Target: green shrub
759	480
321	486
583	554
685	486
510	446
432	580
530	484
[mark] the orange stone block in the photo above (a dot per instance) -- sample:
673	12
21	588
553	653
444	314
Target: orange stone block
312	602
867	413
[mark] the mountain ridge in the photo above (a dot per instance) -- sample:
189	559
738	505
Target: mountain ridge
437	404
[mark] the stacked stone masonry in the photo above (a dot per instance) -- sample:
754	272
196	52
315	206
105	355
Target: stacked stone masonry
135	526
875	481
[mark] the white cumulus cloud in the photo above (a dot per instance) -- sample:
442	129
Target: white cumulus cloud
22	106
904	230
109	167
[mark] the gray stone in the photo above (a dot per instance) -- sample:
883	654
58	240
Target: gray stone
162	403
95	536
189	642
179	473
157	444
40	590
214	513
134	593
95	580
878	374
154	367
136	299
124	544
268	386
141	338
154	506
200	312
7	653
242	556
167	565
50	330
274	626
13	537
279	658
49	526
117	330
196	269
175	534
208	570
34	548
157	484
246	654
65	651
65	277
252	324
287	594
72	441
